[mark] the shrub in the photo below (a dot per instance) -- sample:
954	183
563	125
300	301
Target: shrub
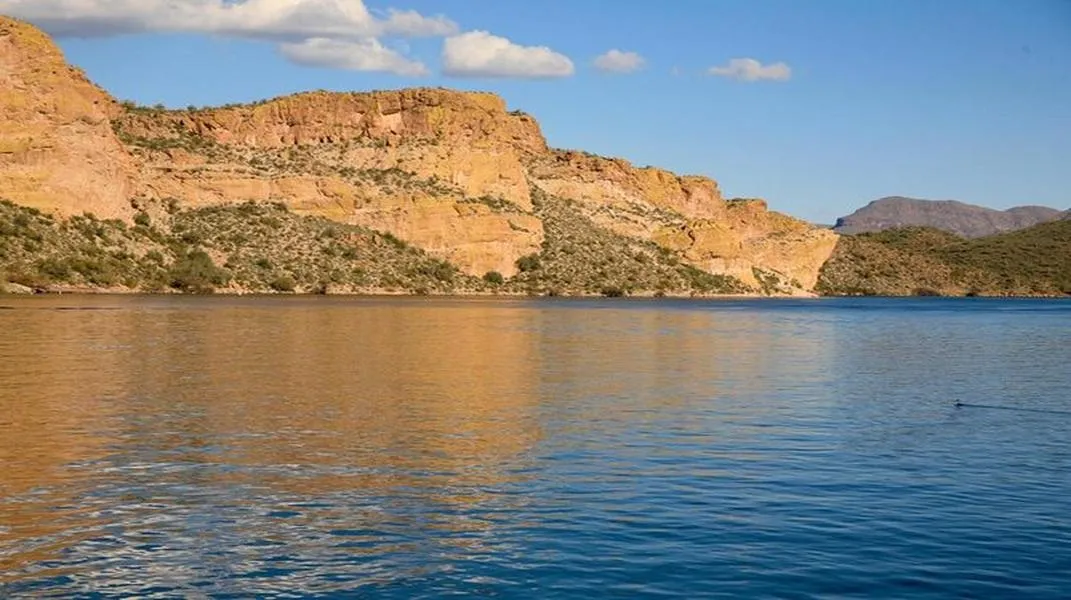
54	269
284	283
494	278
436	269
195	272
142	218
528	263
393	240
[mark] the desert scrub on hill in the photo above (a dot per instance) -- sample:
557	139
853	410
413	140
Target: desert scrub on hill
579	257
926	261
151	131
163	134
37	250
264	247
243	247
496	204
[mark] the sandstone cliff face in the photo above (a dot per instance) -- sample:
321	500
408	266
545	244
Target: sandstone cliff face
407	161
57	149
606	181
764	249
450	172
466	140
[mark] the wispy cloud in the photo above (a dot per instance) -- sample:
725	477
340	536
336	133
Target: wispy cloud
480	54
749	69
617	61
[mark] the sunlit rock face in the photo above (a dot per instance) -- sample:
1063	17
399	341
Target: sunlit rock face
447	171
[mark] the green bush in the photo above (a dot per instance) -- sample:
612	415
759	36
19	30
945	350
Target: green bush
54	268
196	273
283	283
494	278
436	269
393	240
528	263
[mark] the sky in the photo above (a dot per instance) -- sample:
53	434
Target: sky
818	106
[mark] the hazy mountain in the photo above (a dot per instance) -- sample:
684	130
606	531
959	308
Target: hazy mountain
960	218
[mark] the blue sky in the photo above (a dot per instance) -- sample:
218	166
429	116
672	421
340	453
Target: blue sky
849	100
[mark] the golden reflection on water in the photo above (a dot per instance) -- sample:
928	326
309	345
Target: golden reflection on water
313	398
400	394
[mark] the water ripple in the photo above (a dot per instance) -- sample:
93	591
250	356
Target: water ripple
415	448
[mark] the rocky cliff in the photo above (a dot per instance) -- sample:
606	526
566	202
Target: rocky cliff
955	217
57	149
452	173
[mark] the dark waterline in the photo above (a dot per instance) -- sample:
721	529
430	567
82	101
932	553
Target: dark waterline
424	447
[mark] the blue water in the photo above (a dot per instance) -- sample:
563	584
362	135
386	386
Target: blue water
422	448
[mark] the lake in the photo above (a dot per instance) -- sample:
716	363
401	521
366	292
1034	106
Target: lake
534	448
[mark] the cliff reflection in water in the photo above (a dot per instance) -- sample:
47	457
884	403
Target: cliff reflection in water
229	402
239	432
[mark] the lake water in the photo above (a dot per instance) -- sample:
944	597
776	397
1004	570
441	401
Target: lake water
423	447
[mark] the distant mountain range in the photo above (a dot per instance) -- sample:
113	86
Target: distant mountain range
963	219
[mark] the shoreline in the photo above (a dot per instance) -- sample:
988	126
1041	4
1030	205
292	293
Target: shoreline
18	290
371	293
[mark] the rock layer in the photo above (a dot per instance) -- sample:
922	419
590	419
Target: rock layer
57	149
450	172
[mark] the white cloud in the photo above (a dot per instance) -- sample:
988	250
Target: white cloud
480	54
335	33
272	19
363	55
616	61
410	23
749	69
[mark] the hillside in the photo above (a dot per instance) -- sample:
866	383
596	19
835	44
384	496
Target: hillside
456	175
265	248
927	261
962	219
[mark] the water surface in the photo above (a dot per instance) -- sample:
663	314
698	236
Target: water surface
421	447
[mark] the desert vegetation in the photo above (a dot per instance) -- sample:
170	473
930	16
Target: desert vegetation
249	247
927	261
580	258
